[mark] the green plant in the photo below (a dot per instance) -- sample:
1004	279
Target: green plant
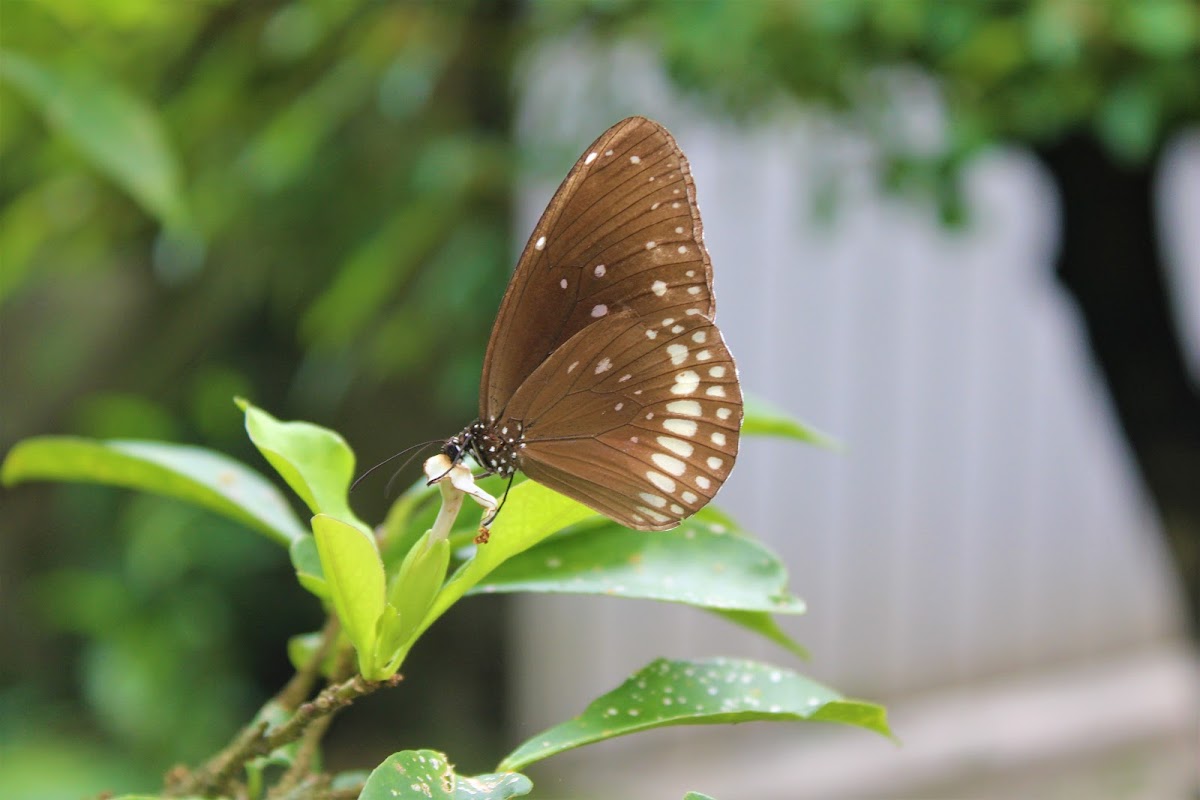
385	586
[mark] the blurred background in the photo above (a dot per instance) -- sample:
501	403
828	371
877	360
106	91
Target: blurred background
960	237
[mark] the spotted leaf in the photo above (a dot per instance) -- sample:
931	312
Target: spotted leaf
698	563
427	775
704	692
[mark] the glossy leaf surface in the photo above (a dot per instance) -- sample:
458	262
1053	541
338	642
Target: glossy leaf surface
193	474
698	563
316	462
355	578
703	692
427	775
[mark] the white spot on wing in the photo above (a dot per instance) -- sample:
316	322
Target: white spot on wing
600	270
683	427
599	310
659	288
540	244
688	497
722	413
669	464
563	283
634	160
590	158
686	382
651	334
654	517
604	365
703	482
653	499
678	353
717	372
687	408
714	462
574	364
693	290
718	439
661	481
715	391
676	446
650	245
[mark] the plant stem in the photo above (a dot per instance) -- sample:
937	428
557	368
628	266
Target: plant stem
258	738
310	745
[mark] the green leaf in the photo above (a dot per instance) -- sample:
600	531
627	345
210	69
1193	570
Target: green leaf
704	692
765	625
194	474
697	796
302	648
698	563
763	419
355	577
307	563
531	513
316	462
119	133
427	775
417	583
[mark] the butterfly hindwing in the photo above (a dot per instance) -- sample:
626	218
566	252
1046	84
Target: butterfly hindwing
644	429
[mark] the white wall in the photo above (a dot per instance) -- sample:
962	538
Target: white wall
985	516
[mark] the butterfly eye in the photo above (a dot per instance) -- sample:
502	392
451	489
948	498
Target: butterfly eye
606	378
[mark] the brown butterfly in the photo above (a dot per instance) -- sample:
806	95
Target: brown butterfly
605	377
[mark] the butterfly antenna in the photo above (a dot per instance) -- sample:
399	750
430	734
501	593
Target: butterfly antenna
406	450
387	490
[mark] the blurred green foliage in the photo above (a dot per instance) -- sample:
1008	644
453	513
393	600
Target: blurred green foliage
308	203
1126	72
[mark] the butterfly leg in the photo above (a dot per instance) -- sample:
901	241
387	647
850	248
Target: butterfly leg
455	482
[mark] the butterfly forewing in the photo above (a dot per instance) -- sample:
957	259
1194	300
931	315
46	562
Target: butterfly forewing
622	231
605	377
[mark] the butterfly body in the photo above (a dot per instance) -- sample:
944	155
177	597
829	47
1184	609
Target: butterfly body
605	377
